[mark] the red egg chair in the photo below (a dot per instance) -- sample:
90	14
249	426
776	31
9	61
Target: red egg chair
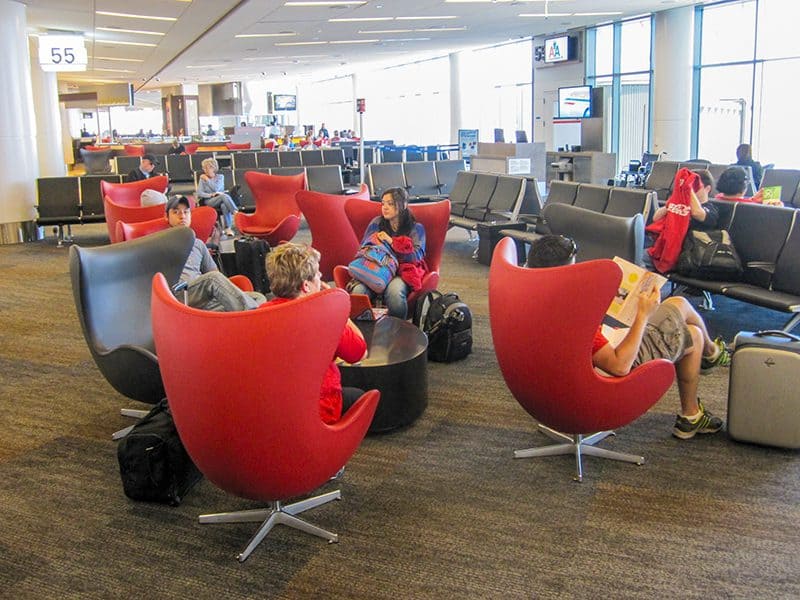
331	232
133	150
543	322
253	427
277	216
129	194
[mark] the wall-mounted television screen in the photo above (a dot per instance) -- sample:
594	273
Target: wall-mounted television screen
285	102
559	49
575	102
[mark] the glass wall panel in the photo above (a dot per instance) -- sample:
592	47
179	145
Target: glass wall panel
496	89
329	101
776	128
777	29
635	42
604	50
634	117
724	114
728	32
409	104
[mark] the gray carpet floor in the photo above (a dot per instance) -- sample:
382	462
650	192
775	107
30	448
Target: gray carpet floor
439	509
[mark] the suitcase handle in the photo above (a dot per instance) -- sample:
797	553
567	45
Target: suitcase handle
777	333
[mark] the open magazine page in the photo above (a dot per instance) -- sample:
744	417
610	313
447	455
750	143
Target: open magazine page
622	310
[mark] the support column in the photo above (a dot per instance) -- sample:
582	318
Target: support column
354	78
672	82
455	97
17	138
48	118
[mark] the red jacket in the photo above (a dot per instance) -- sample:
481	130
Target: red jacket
351	348
673	227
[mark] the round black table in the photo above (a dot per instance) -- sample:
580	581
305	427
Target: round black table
397	366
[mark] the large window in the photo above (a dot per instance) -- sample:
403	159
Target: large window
496	90
409	104
329	101
621	67
749	56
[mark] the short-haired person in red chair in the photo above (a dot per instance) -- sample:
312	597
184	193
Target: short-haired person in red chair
293	271
207	288
671	329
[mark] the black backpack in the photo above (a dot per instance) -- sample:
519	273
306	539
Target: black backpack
448	324
153	463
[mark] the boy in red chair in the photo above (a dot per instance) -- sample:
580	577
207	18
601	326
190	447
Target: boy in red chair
672	330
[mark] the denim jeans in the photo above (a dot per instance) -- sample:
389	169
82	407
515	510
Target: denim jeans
214	291
394	296
225	204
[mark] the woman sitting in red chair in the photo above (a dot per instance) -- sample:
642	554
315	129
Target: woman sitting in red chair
672	330
397	227
293	271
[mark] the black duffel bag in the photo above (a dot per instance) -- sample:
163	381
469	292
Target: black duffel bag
153	463
709	255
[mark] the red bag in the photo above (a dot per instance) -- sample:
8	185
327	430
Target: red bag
673	227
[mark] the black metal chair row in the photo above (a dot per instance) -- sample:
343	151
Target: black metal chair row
66	201
181	167
423	180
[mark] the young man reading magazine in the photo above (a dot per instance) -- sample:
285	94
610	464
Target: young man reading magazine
672	330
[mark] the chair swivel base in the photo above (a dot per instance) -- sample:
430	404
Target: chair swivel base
277	514
578	445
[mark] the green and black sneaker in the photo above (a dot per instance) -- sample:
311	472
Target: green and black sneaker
723	358
705	423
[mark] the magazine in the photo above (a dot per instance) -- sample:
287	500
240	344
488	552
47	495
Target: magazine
622	310
771	192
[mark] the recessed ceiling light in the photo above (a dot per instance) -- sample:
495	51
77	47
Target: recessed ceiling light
596	14
432	29
354	42
422	39
114	70
132	16
323	3
545	15
264	35
117	42
206	66
359	19
120	59
380	31
426	18
299	43
120	30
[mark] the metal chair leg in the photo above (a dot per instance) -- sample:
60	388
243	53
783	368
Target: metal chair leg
578	445
277	514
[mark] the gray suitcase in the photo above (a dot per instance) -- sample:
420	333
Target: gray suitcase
763	398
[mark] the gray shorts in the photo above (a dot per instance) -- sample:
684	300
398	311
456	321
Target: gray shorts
665	336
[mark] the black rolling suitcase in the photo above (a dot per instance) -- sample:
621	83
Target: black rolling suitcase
763	404
251	256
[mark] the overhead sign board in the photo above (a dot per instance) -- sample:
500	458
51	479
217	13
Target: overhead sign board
62	53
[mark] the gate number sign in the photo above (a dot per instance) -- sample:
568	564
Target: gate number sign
62	53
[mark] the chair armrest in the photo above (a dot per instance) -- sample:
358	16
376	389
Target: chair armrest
242	282
341	276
